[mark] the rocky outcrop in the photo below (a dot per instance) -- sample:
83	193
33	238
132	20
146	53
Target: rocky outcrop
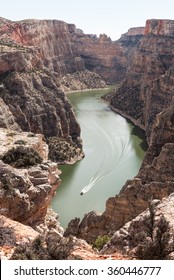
26	193
134	31
13	233
39	106
26	188
139	236
148	88
10	139
81	81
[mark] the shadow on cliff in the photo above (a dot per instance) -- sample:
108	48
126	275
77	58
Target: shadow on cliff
137	131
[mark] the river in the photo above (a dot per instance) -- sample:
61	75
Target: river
112	155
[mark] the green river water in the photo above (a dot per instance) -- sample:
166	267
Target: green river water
112	155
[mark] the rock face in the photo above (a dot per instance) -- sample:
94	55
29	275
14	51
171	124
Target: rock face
148	88
26	193
159	27
136	234
6	117
59	47
102	56
39	106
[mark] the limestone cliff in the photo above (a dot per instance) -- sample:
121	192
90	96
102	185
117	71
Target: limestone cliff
148	87
27	179
39	106
59	47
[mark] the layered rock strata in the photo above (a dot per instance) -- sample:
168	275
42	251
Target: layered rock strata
39	106
59	47
26	191
148	87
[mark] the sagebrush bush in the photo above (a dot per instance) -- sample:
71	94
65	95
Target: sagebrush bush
157	243
101	241
20	142
22	156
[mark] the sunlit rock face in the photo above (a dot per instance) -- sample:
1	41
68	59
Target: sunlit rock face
61	48
27	182
133	235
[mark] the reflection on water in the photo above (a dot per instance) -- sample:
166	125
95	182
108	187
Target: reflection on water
112	155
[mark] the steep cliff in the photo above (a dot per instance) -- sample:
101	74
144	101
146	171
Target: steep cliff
59	47
39	106
148	87
38	58
27	179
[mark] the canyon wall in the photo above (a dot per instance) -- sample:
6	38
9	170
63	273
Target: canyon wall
148	86
61	48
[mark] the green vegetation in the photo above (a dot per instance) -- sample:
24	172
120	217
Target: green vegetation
101	241
20	142
31	251
7	182
22	156
156	242
11	133
62	150
31	135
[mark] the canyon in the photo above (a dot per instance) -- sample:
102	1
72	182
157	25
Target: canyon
39	59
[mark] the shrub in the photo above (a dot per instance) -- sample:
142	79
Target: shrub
20	142
157	243
22	156
101	241
31	135
7	182
12	133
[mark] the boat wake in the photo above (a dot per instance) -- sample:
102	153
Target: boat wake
115	149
